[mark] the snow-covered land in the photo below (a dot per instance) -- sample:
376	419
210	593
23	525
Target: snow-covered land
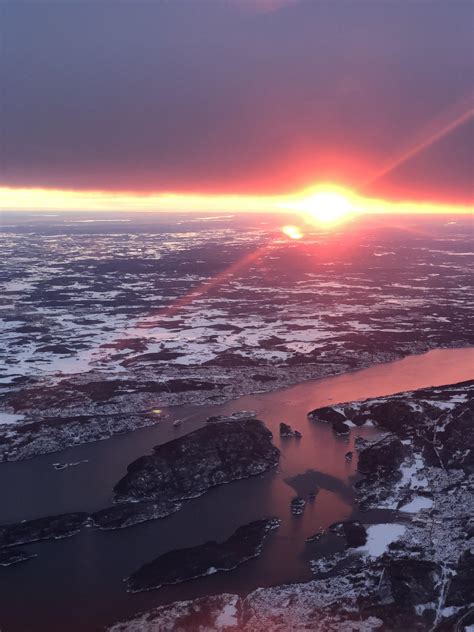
120	316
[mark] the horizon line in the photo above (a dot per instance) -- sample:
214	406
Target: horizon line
37	199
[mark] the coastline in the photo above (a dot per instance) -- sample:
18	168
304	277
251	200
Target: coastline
19	444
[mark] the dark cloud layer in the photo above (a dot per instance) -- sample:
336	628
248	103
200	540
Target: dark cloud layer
222	96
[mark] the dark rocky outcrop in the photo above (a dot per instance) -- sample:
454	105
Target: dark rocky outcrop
8	557
187	467
61	526
383	456
359	419
412	581
456	436
461	586
327	414
340	428
124	515
213	419
380	463
442	414
286	430
354	532
297	505
394	415
469	528
236	416
205	559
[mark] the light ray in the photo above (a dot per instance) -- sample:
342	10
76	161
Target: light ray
440	132
206	286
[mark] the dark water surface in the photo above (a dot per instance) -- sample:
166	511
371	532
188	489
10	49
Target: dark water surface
76	583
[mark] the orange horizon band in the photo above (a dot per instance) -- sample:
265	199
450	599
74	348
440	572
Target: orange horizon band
40	200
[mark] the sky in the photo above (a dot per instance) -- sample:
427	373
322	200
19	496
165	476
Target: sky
250	97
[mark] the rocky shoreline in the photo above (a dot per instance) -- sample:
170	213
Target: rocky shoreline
414	573
58	414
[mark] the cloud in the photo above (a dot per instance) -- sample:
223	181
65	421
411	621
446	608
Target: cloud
262	6
176	96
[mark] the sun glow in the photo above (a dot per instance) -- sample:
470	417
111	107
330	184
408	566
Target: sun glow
324	205
329	208
329	205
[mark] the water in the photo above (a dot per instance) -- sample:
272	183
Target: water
76	583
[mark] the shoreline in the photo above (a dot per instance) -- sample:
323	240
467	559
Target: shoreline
280	564
126	422
414	566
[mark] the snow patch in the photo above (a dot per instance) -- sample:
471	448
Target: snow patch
417	504
10	418
211	570
379	536
228	617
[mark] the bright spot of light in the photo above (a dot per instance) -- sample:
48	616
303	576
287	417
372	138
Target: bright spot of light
328	207
293	232
157	411
324	205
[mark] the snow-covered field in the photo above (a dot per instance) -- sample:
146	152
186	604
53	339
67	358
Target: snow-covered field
93	315
74	301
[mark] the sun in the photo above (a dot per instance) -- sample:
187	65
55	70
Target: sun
328	207
324	206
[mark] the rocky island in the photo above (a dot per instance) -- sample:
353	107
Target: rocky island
8	557
205	559
50	527
215	454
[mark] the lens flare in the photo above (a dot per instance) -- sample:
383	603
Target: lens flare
293	232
